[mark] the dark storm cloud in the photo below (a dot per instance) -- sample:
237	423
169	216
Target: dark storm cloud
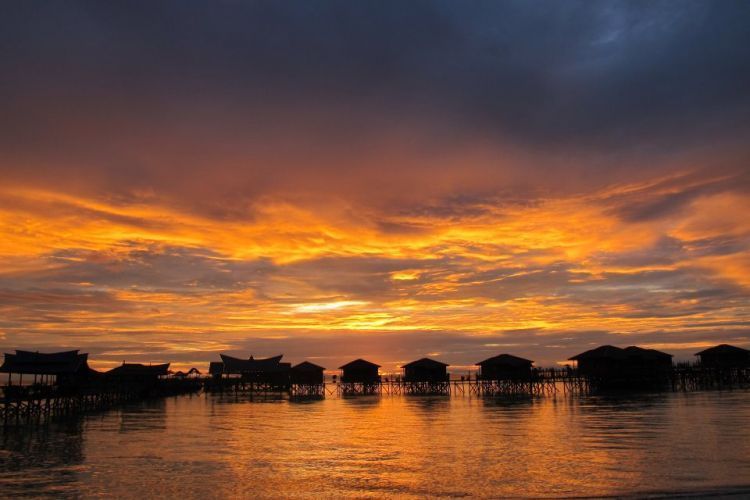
179	178
672	195
154	268
84	78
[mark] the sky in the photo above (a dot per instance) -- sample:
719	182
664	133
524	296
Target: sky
389	180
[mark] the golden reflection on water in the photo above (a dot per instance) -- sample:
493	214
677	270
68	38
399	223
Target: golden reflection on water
220	446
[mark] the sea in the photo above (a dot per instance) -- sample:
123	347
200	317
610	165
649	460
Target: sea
462	446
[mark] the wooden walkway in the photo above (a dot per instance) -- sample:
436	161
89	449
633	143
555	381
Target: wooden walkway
22	405
34	404
543	382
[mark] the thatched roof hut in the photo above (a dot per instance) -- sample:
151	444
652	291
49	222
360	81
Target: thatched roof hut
139	371
425	370
234	365
39	363
360	371
307	373
610	361
505	367
725	356
62	367
264	370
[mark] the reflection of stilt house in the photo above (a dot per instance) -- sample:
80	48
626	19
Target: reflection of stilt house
505	367
68	369
725	356
633	367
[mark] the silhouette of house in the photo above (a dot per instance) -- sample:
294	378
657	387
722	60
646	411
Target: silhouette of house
505	367
649	359
360	371
138	373
307	373
632	365
725	356
61	368
216	369
425	370
266	370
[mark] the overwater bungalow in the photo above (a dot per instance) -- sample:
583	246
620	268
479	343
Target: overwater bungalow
138	373
609	359
307	373
360	371
724	356
505	367
263	371
216	369
425	370
631	367
67	368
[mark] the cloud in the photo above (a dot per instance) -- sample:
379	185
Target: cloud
179	177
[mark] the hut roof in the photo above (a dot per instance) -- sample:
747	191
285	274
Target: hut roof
425	363
612	352
237	365
138	369
646	353
505	360
194	371
306	366
723	349
215	367
40	363
605	351
358	363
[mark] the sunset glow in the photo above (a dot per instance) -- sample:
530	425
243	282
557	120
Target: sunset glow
191	212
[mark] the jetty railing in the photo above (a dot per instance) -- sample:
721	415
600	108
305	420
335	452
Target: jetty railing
539	382
37	403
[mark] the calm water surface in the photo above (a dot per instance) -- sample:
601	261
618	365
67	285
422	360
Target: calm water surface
212	446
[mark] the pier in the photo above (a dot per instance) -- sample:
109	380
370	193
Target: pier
43	386
62	384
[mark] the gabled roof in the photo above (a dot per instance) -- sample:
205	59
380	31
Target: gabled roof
605	351
505	360
358	363
723	349
139	370
645	353
425	363
237	365
40	363
612	352
306	366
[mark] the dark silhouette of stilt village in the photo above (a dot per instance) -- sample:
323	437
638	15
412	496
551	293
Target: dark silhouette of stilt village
41	386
